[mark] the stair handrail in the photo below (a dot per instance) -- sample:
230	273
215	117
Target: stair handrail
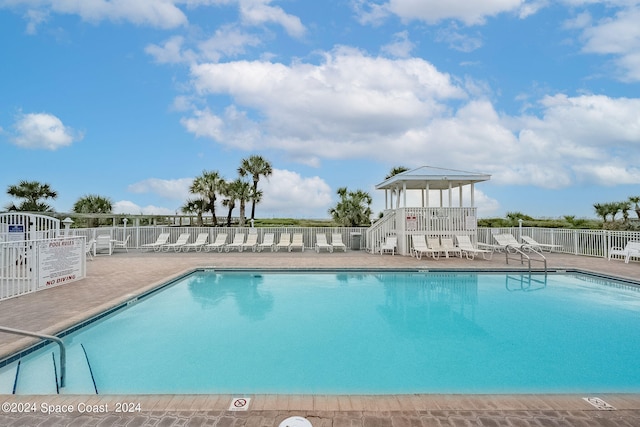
63	352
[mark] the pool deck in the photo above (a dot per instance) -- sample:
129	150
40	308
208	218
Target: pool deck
114	279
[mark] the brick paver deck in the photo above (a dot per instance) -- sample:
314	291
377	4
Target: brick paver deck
116	278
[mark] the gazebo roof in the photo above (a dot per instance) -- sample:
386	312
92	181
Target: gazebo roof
438	179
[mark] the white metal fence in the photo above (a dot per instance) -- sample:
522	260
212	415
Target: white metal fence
352	237
29	265
571	241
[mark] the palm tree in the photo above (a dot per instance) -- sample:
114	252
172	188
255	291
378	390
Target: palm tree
635	200
196	206
353	209
602	211
625	207
207	186
255	166
93	203
237	190
32	192
393	172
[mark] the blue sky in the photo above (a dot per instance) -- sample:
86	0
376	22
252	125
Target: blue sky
132	100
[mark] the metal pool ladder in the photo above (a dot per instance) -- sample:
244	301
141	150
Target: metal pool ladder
63	353
515	251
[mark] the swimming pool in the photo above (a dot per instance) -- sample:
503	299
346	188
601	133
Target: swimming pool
358	333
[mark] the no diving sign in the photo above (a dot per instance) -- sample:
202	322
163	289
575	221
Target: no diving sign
240	404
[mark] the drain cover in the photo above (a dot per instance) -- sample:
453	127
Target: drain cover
599	403
296	422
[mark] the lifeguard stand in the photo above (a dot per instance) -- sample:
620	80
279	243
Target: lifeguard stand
433	216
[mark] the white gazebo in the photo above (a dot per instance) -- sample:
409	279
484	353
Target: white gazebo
435	214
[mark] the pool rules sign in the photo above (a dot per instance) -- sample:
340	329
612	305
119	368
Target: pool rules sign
60	261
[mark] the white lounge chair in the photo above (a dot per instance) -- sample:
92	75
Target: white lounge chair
297	242
162	240
201	240
467	248
219	243
336	242
252	242
267	242
182	240
389	245
433	243
89	248
103	242
540	246
630	250
121	244
449	247
285	241
420	247
321	243
238	241
506	241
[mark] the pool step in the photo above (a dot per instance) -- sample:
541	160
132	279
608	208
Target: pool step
37	375
8	378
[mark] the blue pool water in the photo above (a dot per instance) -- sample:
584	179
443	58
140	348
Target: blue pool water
365	333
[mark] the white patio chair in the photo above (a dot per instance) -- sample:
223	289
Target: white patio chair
630	250
88	248
267	242
219	243
103	242
433	243
336	242
238	241
540	246
321	243
449	247
252	242
297	242
160	241
121	244
420	247
389	245
182	240
201	240
285	241
506	241
467	248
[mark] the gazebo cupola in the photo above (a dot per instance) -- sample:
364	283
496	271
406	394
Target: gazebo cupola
435	215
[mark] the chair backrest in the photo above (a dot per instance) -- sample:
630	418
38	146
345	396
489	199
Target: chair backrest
633	246
418	241
392	241
221	239
238	238
336	238
252	239
447	243
433	242
297	238
201	239
267	239
464	241
162	238
183	238
89	245
321	239
285	239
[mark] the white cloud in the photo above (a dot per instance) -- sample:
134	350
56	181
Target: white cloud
617	35
43	131
128	207
175	189
355	106
434	11
258	12
155	13
400	47
287	193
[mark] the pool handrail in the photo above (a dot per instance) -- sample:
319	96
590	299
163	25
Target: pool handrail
63	353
